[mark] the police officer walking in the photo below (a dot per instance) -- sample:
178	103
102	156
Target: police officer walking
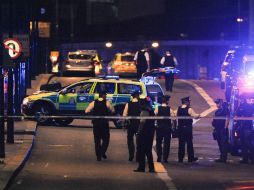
100	107
145	137
163	131
185	130
132	109
142	61
246	132
221	130
168	60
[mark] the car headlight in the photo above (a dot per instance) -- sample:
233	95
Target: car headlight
25	101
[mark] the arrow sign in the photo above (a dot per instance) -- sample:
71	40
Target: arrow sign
14	47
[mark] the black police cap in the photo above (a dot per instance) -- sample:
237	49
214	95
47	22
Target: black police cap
135	94
185	99
102	93
218	100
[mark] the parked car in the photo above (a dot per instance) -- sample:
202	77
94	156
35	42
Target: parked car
74	99
82	60
122	64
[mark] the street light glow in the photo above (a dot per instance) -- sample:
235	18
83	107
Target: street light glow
239	19
155	44
108	44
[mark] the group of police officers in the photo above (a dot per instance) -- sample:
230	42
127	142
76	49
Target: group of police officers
144	129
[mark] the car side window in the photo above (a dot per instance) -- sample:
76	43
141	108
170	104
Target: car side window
128	88
105	86
80	88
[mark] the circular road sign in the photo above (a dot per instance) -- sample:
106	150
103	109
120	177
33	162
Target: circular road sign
14	47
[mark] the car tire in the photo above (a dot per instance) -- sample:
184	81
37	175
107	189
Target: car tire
63	121
40	111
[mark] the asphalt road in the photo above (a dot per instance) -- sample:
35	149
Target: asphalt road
64	158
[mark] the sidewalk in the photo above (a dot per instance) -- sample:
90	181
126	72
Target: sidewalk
16	154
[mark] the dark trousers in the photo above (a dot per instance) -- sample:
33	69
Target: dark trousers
101	139
222	140
169	81
247	145
185	137
131	132
163	136
140	71
144	149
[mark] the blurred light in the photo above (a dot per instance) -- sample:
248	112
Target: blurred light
108	44
43	11
239	19
155	44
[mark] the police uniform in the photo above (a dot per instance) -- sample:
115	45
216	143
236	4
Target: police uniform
169	61
221	130
185	130
145	137
142	62
101	107
132	109
246	133
163	131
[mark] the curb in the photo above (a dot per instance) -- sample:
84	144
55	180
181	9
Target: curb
22	164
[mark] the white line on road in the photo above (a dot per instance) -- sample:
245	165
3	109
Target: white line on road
161	172
60	145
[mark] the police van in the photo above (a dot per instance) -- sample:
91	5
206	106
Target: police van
238	77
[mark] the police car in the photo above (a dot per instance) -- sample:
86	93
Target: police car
73	99
122	64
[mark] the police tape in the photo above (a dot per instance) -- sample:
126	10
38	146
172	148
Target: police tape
122	117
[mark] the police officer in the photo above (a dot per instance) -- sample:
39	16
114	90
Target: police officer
100	107
185	130
132	109
168	60
163	131
221	130
142	61
246	132
145	137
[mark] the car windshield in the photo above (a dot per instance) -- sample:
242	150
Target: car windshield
127	58
80	56
154	92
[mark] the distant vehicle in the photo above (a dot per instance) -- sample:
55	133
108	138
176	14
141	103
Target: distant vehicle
238	72
74	99
122	64
238	64
83	60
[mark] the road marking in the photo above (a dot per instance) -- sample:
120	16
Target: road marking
162	173
60	145
245	181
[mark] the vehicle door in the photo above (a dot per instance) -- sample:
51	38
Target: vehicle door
72	99
109	87
124	91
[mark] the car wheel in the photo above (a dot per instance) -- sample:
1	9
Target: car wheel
63	121
41	111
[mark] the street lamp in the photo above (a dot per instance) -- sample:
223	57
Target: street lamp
155	44
108	44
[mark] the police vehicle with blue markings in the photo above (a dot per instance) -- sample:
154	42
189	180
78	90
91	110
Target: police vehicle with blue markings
74	99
